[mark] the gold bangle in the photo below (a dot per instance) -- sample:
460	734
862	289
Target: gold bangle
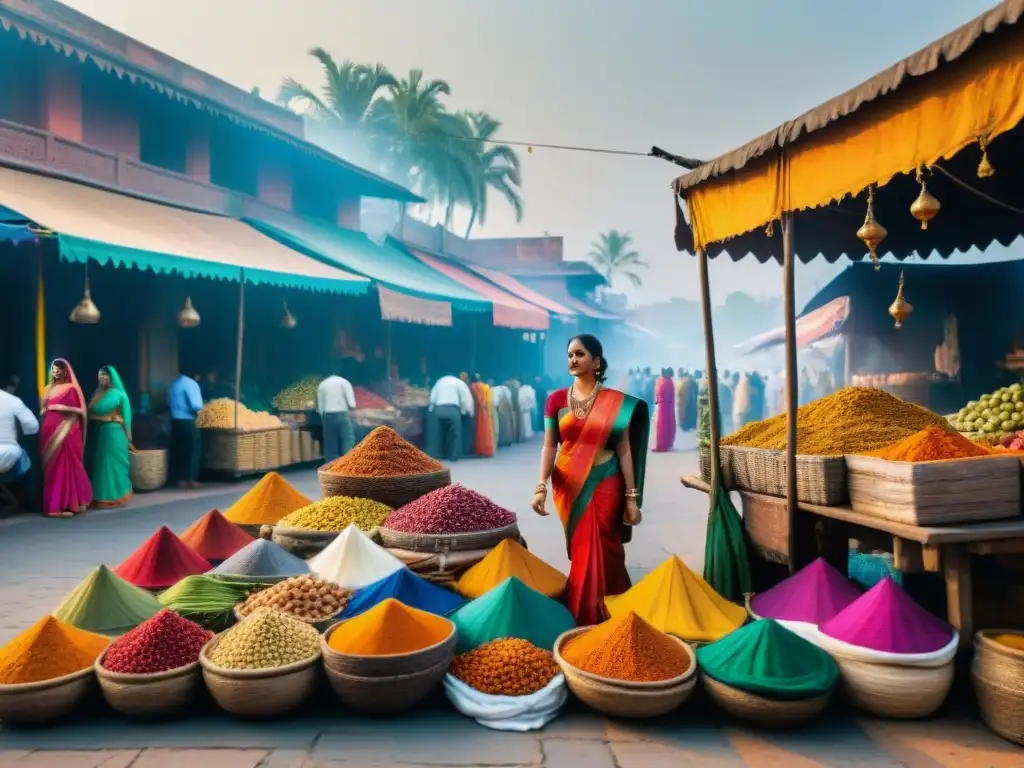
541	488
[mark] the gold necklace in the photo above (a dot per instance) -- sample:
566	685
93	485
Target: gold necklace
581	408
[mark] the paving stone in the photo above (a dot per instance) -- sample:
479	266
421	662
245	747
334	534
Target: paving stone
425	744
76	759
650	754
576	753
286	758
200	758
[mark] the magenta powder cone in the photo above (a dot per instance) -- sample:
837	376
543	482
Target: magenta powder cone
885	619
813	594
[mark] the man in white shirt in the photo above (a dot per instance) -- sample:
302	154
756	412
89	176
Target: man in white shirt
14	461
335	400
450	400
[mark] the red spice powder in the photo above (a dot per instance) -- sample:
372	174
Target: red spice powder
163	642
162	561
452	509
369	400
384	453
215	537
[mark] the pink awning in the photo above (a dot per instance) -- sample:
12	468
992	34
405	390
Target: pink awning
589	310
409	309
516	288
810	328
509	311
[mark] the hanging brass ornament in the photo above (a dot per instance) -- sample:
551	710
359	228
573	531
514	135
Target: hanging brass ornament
85	312
187	315
900	309
871	233
925	207
985	168
288	319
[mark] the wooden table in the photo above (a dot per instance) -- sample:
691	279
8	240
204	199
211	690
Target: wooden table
916	549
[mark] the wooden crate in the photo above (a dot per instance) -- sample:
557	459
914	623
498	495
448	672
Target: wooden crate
935	492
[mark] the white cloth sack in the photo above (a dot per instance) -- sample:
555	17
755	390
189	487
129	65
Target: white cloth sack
508	713
840	650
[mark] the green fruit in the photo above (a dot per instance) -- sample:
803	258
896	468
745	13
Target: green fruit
989	427
987	413
1007	425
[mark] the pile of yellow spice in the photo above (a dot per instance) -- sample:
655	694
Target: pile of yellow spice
851	420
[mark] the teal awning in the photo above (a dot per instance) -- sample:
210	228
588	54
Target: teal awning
108	228
391	266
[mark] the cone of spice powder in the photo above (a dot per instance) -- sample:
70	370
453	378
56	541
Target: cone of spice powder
106	604
814	594
384	453
214	537
511	609
160	644
161	561
511	559
47	650
265	503
409	589
452	509
626	648
389	629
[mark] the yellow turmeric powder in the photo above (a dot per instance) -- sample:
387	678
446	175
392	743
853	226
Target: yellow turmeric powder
932	444
390	628
850	420
47	650
267	502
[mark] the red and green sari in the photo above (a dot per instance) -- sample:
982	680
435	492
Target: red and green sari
590	493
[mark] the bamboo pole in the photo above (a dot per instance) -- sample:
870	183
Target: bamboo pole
711	373
239	342
792	383
847	346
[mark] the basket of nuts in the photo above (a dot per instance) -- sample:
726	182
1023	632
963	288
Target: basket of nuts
306	598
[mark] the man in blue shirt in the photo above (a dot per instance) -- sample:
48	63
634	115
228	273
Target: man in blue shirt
185	400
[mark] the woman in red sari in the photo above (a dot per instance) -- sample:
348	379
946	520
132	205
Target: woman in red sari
66	487
595	450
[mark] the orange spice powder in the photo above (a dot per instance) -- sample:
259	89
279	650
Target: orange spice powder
932	444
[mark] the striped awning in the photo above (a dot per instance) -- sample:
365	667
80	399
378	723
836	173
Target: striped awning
525	293
813	326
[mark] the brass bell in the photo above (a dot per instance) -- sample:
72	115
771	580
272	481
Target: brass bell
288	319
926	207
187	315
85	312
900	309
871	233
985	169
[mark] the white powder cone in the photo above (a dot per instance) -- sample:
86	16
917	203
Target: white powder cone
352	560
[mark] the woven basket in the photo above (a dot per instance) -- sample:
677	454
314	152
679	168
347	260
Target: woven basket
819	479
900	692
50	700
396	665
998	676
762	711
306	445
229	450
690	672
301	542
295	445
284	447
267	450
156	695
618	701
447	542
149	469
386	695
259	693
395	491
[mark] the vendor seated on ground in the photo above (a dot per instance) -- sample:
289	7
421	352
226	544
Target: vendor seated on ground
14	460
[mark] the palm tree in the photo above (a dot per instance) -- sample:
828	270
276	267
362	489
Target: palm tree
349	90
612	256
491	166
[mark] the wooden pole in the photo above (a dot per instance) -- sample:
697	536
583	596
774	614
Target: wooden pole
792	382
847	347
711	373
239	342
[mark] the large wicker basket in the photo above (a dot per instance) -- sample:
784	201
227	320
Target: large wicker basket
259	693
690	672
295	443
231	450
395	665
998	676
395	491
50	700
157	695
762	711
819	479
386	695
447	542
149	469
284	447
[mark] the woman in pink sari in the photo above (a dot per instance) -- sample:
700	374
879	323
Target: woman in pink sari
664	412
66	487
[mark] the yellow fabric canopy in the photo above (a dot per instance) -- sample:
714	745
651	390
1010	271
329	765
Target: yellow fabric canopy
932	119
510	558
676	600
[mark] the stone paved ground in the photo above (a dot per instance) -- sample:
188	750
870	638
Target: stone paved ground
40	560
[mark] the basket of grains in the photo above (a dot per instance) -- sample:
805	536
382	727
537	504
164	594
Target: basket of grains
306	598
998	676
264	666
384	467
389	658
450	519
507	684
307	531
627	668
853	420
153	671
46	672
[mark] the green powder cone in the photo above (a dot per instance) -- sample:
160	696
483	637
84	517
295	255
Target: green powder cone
766	659
511	609
106	604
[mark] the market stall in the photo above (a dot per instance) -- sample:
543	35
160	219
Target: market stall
920	183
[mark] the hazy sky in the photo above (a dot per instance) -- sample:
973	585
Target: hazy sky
696	77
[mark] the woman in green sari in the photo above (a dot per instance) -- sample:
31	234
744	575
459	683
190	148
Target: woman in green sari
110	443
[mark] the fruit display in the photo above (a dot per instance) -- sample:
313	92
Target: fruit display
300	396
993	416
220	414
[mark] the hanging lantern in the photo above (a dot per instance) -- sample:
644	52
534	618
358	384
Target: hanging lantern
871	233
900	309
288	319
985	168
187	315
85	312
925	207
